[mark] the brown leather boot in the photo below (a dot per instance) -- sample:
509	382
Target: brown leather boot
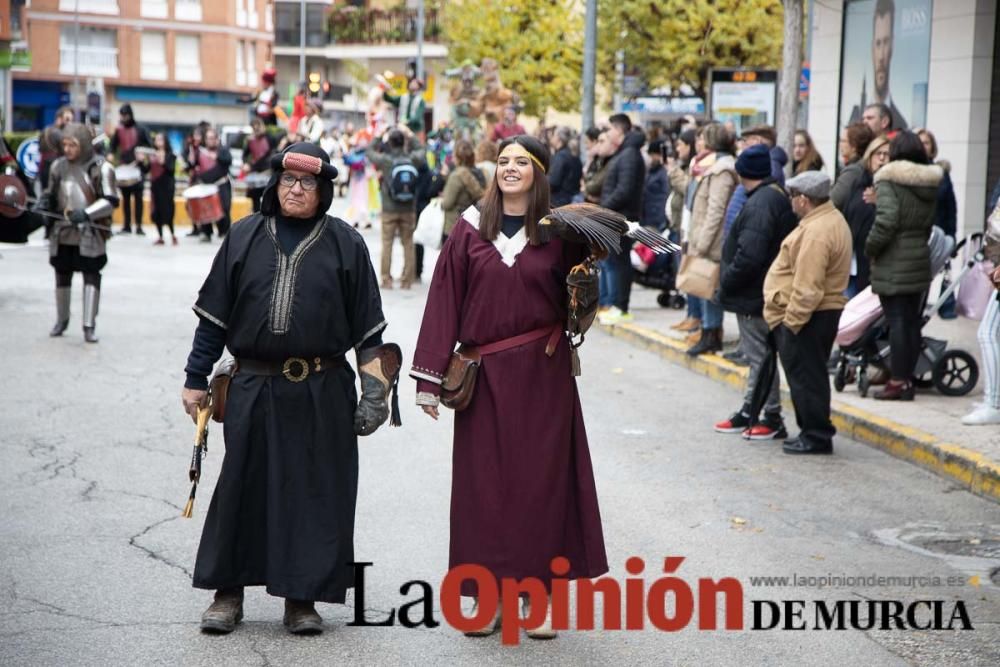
301	617
689	324
224	613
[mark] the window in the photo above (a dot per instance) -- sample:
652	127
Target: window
187	10
251	61
154	9
96	53
253	19
286	31
241	13
241	72
269	17
153	56
89	6
17	33
187	57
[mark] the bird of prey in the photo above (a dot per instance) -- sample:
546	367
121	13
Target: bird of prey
602	229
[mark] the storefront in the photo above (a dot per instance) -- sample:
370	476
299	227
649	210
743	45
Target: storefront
933	62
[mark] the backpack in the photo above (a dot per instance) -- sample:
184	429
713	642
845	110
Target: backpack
402	180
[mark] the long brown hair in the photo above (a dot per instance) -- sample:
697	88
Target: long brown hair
491	205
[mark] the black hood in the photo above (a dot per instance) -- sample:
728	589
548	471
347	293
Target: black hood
269	199
634	139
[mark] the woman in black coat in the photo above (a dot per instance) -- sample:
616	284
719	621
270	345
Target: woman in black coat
859	211
566	170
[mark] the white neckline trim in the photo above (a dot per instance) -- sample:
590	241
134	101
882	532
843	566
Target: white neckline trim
509	247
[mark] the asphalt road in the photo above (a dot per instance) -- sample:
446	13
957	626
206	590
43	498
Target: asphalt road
95	559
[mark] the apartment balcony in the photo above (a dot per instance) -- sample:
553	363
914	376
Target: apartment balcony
92	61
353	25
357	33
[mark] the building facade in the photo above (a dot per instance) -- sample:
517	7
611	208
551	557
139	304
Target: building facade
936	63
348	44
177	62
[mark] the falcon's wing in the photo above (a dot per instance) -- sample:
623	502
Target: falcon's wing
651	238
599	227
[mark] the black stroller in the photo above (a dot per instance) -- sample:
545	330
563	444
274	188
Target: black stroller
863	336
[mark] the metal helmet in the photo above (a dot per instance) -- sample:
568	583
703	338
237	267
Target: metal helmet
82	134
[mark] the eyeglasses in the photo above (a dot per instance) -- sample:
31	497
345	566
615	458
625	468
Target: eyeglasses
308	183
883	154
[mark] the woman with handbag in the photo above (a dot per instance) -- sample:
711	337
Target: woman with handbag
523	488
988	412
699	272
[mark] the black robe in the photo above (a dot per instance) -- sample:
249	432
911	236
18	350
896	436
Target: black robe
282	515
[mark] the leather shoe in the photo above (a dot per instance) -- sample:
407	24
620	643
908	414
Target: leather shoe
301	618
224	613
792	441
800	446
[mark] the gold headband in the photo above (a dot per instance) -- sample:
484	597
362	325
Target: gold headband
516	149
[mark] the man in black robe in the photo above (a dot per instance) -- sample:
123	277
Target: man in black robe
291	290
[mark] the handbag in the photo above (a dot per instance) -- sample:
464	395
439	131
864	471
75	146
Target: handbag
460	379
976	287
698	276
430	225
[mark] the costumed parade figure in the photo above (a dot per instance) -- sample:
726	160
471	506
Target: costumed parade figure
127	137
162	186
211	166
466	103
513	279
50	144
282	515
267	97
410	106
82	188
16	222
496	100
258	150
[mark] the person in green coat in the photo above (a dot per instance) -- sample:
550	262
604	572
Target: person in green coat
897	246
411	106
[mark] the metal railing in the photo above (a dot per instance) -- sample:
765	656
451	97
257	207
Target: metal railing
352	25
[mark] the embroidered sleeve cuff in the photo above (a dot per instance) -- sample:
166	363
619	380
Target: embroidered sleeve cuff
426	398
419	373
201	312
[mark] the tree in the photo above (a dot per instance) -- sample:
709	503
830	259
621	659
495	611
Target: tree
675	42
537	43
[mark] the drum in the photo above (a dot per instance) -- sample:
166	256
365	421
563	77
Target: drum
204	205
257	179
127	175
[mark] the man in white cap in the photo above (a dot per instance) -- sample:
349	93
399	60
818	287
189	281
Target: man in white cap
803	299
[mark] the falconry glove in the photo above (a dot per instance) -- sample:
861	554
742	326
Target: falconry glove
379	370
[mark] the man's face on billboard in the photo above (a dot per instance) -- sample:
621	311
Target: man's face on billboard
882	53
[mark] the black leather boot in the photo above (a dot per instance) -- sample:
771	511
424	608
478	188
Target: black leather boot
301	618
711	341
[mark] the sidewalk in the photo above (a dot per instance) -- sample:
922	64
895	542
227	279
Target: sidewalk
927	431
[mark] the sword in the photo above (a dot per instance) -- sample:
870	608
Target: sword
200	448
55	216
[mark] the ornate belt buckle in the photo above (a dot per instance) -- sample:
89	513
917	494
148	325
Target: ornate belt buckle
301	375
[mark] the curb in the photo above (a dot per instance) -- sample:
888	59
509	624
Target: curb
970	469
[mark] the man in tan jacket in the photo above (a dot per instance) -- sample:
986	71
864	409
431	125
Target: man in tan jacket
803	299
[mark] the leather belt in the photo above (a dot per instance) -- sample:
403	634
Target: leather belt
295	369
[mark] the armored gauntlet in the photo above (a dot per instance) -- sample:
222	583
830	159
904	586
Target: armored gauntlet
379	370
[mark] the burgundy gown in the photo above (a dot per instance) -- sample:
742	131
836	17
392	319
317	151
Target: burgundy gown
522	487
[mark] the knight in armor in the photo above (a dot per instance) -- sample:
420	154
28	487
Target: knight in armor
211	166
282	515
257	152
127	137
82	189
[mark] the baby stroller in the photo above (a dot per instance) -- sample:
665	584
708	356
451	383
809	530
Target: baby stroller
863	336
658	272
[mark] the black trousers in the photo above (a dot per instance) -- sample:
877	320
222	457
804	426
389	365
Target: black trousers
132	192
902	314
804	358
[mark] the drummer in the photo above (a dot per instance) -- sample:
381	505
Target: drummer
128	135
257	152
212	168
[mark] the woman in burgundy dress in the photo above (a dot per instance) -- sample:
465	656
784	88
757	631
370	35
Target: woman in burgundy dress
522	484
